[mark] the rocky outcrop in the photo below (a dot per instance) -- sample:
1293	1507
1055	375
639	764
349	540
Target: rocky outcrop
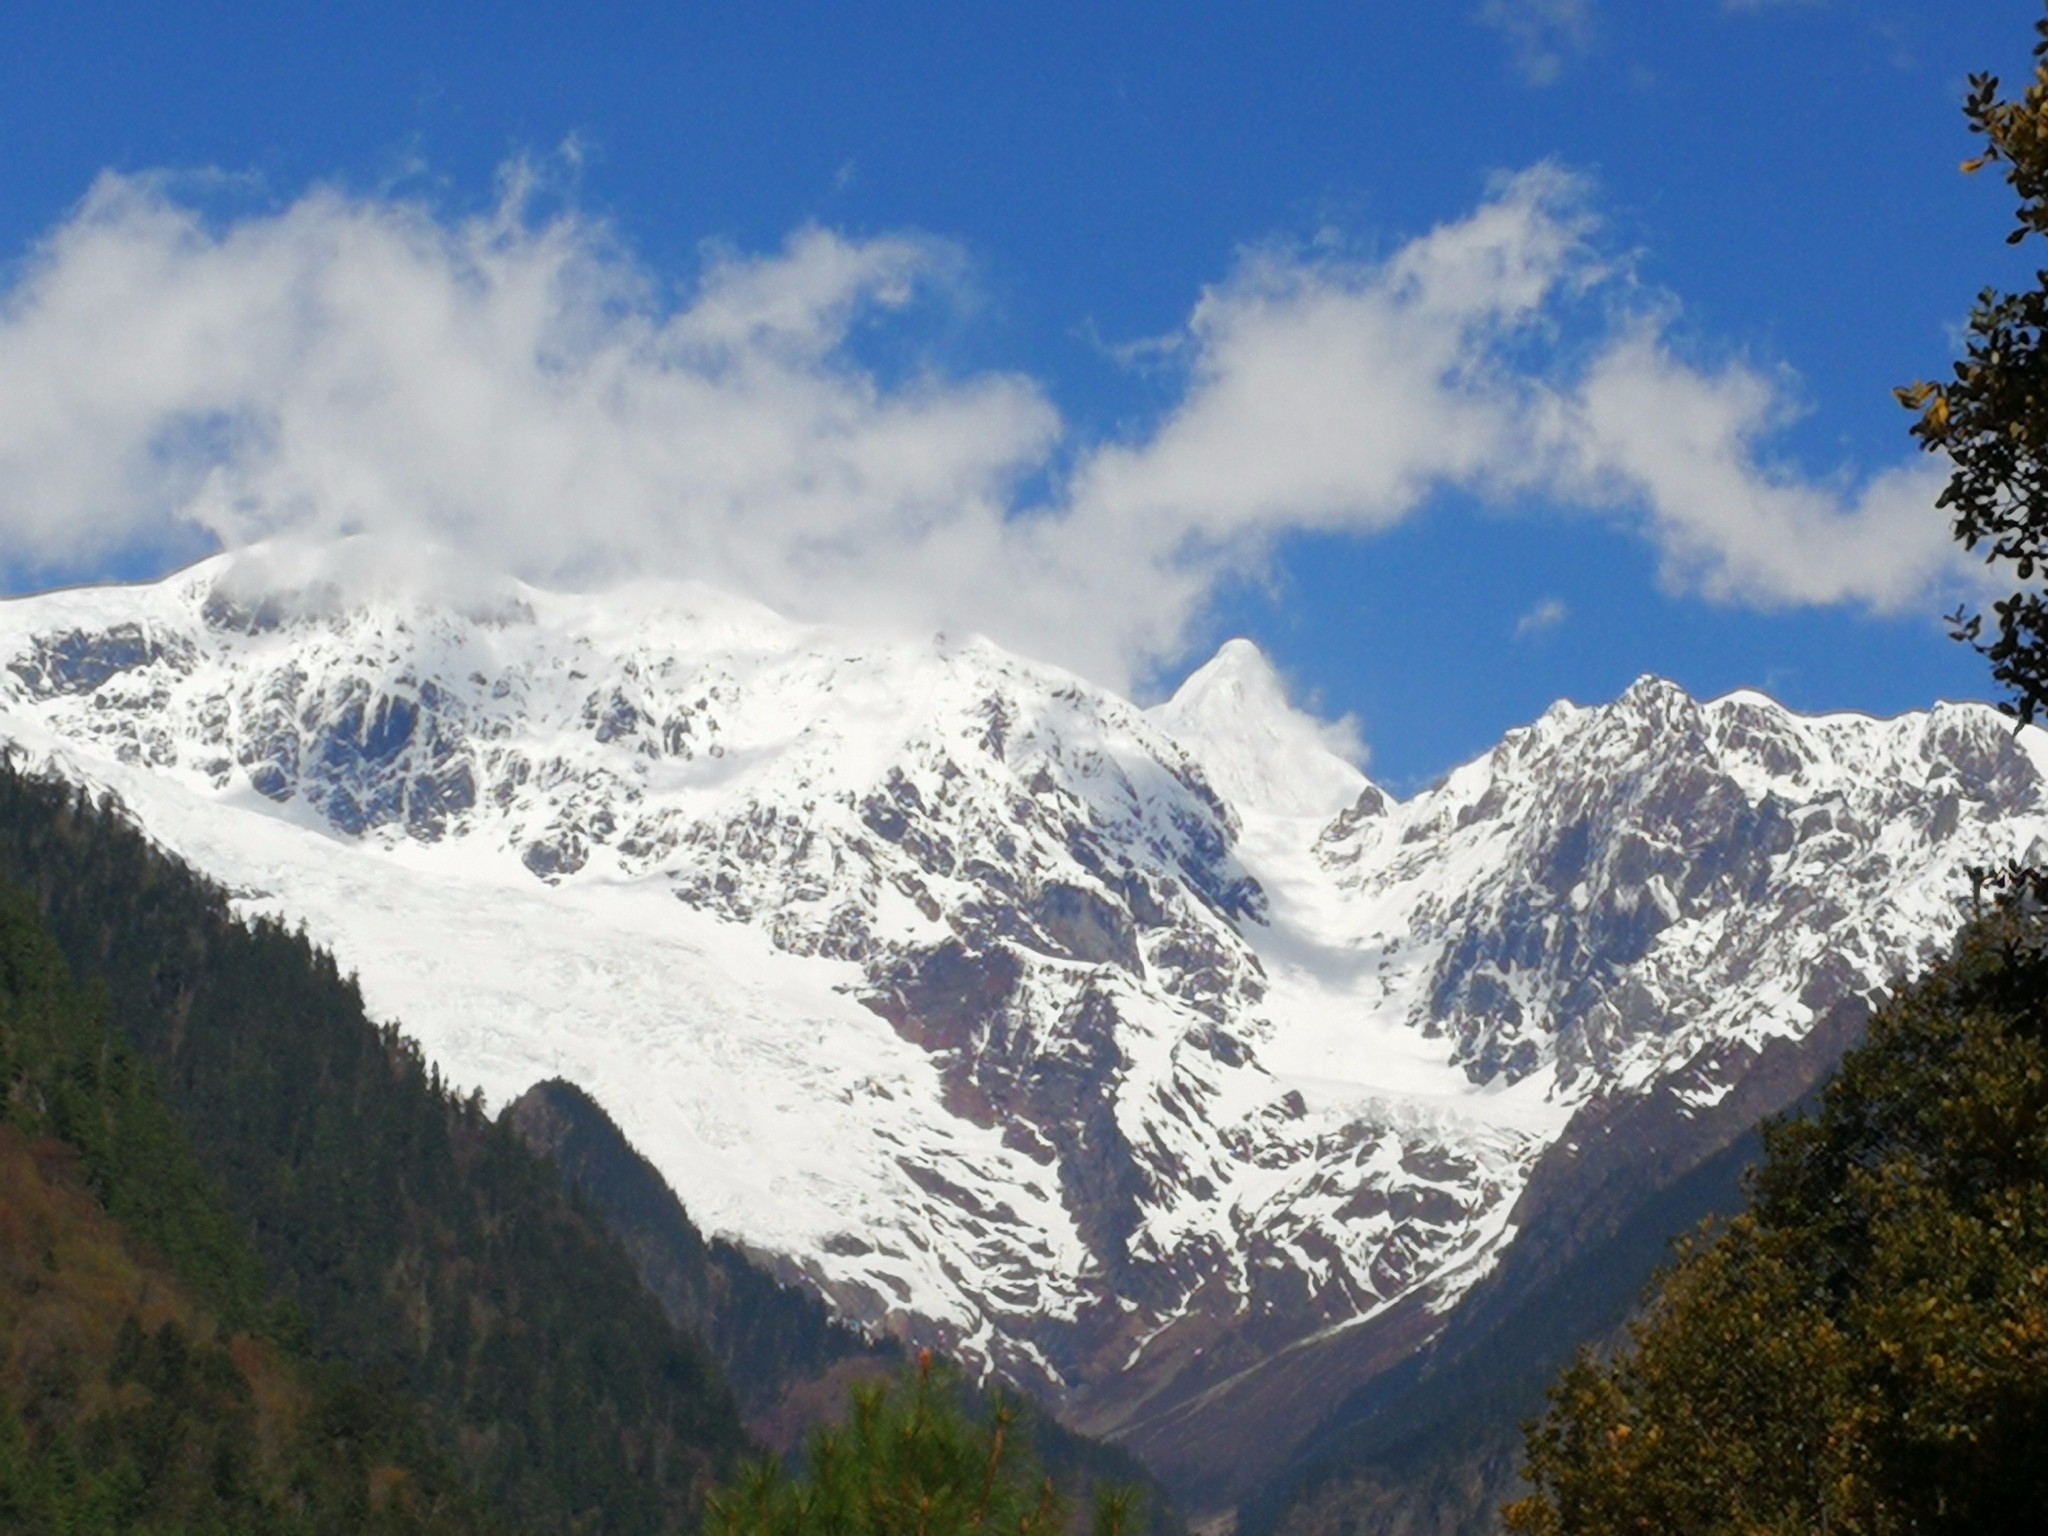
1148	1058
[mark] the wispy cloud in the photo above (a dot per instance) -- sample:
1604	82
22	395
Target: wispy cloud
1541	34
521	389
1545	616
1684	448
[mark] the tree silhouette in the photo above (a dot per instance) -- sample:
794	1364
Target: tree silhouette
1991	418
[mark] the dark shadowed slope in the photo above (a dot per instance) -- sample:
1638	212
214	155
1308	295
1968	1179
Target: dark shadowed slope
790	1361
1435	1445
407	1234
144	1384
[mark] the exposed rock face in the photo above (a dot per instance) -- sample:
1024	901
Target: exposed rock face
1432	1442
1664	873
1135	1054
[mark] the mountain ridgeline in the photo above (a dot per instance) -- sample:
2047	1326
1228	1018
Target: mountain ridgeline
1435	1445
792	1363
1151	1058
778	1346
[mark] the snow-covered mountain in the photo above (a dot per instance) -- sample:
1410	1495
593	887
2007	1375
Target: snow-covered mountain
1123	1050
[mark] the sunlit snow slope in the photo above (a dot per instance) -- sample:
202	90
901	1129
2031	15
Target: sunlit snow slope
1114	1047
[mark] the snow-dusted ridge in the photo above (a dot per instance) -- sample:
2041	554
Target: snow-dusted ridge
1076	1036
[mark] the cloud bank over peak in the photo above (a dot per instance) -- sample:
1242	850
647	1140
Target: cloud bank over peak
523	390
509	387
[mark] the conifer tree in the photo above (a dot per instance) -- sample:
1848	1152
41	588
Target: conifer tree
907	1461
1866	1349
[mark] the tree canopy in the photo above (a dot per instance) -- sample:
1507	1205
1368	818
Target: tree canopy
361	1211
1991	417
907	1461
1866	1349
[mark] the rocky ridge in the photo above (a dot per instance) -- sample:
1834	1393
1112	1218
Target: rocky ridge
1124	1050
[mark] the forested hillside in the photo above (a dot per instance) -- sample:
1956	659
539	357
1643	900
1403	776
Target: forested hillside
143	1382
1437	1448
395	1227
787	1357
793	1365
323	1286
1866	1348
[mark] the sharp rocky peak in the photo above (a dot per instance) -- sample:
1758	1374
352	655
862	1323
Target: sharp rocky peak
1123	1049
1264	755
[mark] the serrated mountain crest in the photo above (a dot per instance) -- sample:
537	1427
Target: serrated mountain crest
1123	1050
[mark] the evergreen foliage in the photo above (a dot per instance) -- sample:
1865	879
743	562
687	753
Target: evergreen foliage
1866	1349
1436	1444
771	1339
1991	419
401	1231
133	1395
908	1462
66	1077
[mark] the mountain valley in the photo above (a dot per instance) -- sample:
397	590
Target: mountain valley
1155	1060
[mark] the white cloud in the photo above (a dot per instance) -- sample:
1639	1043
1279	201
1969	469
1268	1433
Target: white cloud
1325	395
1680	445
1545	616
1542	34
522	390
512	388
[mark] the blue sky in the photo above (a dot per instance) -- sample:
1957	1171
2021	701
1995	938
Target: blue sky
1159	295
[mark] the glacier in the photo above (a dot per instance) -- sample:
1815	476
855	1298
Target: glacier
1118	1050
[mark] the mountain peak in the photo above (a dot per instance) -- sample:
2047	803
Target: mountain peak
945	979
1238	679
1260	752
1238	655
1653	694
